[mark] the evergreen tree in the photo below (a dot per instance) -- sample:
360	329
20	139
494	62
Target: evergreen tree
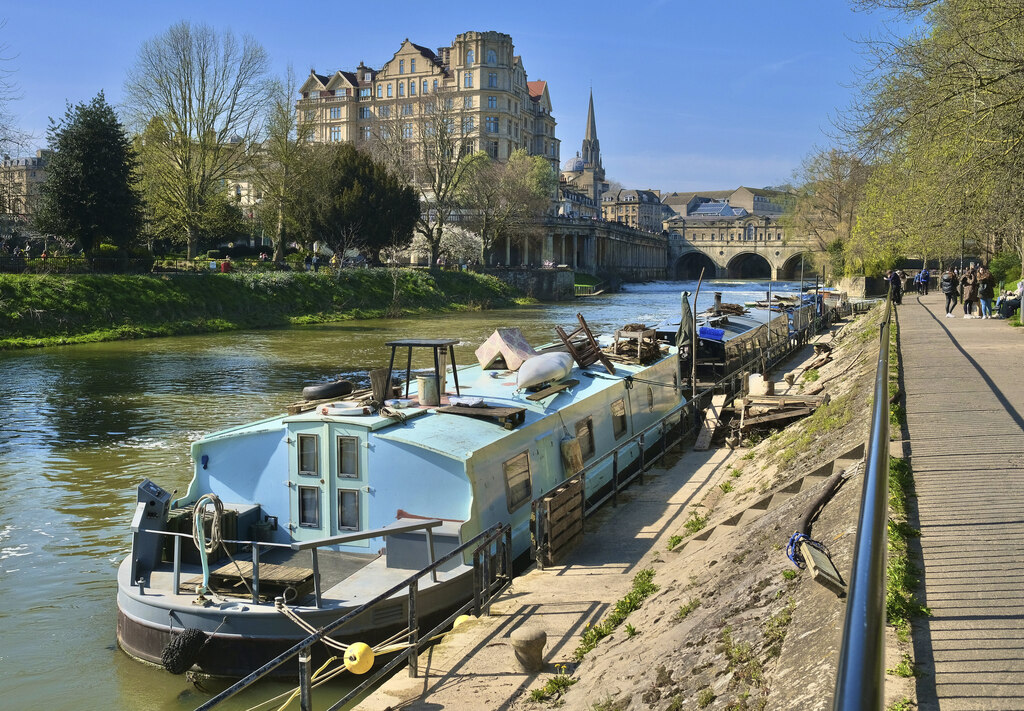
90	190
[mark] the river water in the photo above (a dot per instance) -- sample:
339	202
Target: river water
81	426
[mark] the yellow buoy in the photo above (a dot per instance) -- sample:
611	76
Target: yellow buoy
358	658
459	620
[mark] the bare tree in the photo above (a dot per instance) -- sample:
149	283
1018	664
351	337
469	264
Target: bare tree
207	91
429	142
279	163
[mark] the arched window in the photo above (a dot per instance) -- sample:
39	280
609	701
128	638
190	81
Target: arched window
469	57
492	57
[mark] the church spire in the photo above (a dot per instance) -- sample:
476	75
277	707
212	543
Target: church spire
591	146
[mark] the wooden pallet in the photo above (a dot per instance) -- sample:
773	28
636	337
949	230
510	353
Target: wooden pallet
507	417
711	420
562	511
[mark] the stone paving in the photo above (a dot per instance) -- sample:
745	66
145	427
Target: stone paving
964	386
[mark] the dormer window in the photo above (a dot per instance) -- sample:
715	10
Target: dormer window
314	94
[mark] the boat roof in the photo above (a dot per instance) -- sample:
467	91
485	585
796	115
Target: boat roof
424	427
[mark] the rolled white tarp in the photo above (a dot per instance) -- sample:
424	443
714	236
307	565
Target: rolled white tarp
543	368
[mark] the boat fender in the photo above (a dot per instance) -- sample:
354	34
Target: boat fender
338	388
183	651
358	658
712	334
336	411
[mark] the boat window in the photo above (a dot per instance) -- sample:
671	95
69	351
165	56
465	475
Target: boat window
348	459
650	398
348	510
517	481
619	418
308	458
585	434
309	506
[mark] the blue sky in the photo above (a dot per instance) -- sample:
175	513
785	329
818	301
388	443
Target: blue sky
687	95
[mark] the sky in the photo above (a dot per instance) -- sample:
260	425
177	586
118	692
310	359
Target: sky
687	95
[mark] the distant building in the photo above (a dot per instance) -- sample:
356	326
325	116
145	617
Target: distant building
485	88
755	201
641	209
20	181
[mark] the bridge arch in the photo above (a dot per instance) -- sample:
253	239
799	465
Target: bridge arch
688	266
790	270
748	265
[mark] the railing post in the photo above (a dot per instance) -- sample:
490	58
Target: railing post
414	632
430	553
476	582
615	478
508	552
643	459
255	573
316	577
305	682
486	574
177	564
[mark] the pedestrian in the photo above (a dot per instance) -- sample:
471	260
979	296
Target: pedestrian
925	277
315	261
307	262
1009	301
969	286
895	286
986	290
949	284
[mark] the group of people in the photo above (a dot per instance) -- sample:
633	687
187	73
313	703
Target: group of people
975	287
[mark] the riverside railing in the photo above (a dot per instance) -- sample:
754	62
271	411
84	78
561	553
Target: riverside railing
860	681
484	589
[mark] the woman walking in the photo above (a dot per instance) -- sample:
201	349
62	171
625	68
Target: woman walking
969	284
949	285
986	290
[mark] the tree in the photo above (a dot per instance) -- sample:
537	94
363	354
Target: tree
430	146
279	163
503	200
90	190
199	96
349	201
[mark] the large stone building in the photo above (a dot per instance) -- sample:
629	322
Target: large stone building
756	201
20	180
640	209
478	85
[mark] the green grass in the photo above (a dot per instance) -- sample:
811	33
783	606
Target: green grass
704	697
696	521
903	704
901	604
40	310
789	574
684	610
643	587
555	686
775	629
904	669
674	541
726	486
811	375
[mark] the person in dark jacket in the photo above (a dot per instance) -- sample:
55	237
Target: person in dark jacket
949	285
895	286
986	291
925	276
969	286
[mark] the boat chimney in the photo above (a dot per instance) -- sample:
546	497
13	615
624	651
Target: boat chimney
718	302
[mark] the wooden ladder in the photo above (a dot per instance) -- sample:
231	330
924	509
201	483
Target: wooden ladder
588	352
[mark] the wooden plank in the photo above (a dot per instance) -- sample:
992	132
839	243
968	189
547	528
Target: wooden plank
557	530
710	423
557	557
551	390
784	399
779	416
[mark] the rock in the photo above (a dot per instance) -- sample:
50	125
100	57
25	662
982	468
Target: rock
528	643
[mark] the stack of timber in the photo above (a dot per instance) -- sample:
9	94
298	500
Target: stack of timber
634	343
761	411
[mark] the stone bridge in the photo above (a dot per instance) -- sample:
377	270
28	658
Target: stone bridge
748	256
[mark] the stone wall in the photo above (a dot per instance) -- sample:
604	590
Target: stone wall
541	284
861	287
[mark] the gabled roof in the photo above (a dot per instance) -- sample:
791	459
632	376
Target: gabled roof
314	82
342	78
536	88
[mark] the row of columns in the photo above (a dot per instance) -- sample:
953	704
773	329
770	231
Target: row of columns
585	252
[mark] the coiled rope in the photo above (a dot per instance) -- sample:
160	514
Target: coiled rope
199	534
793	548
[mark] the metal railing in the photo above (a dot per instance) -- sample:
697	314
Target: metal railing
487	584
312	546
860	680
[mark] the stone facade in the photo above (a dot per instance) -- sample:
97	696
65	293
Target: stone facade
640	209
478	82
582	183
754	200
20	180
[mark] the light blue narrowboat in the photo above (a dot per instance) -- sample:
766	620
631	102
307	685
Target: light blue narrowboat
374	498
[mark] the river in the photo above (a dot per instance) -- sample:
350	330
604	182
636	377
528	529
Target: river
81	426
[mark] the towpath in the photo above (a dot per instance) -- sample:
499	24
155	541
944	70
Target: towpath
475	668
964	387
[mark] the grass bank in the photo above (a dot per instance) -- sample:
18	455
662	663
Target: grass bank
43	310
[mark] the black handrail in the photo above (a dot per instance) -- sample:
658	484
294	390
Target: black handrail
860	680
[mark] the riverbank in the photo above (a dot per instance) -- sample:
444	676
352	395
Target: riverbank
47	310
731	624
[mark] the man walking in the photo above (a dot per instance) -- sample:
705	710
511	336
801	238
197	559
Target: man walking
925	276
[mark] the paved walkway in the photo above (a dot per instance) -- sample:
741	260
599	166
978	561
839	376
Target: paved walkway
965	398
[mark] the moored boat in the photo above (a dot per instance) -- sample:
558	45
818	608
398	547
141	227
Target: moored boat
304	517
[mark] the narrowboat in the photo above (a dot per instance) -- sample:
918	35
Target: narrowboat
344	500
